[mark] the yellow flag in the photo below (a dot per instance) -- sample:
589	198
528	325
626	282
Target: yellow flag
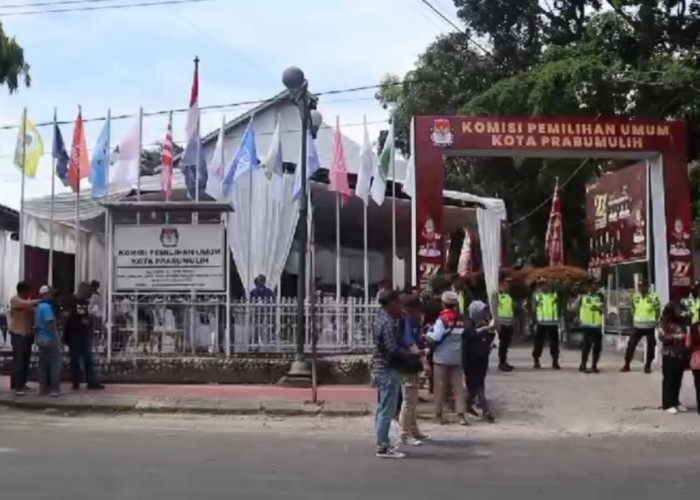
28	152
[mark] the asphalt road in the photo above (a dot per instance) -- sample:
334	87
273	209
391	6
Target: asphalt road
177	458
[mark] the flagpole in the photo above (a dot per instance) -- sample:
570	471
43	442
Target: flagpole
337	246
138	219
107	261
76	273
227	341
54	162
366	262
199	137
393	204
23	131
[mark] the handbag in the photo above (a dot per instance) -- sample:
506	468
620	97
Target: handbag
694	351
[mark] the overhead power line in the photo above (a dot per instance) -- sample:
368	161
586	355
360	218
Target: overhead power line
455	26
215	106
83	8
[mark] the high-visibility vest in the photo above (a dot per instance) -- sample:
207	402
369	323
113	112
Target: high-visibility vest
547	308
590	312
505	308
646	310
694	310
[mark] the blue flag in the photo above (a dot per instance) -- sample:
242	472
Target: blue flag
312	165
189	165
245	160
99	168
60	155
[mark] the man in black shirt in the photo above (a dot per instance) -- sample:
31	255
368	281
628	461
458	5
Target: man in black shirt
77	333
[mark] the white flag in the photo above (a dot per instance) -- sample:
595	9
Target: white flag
409	183
381	170
125	159
367	166
216	169
273	160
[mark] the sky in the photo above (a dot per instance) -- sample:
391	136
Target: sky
130	57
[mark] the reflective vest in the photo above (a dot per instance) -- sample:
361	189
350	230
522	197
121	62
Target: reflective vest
646	310
694	309
547	308
505	308
591	309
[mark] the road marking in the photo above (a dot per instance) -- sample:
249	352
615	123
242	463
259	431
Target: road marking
9	450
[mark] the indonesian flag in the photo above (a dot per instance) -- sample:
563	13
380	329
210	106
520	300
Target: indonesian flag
339	170
166	174
79	167
553	245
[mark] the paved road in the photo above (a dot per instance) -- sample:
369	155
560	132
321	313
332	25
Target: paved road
178	458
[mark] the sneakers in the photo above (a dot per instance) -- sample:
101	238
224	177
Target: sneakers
682	409
672	410
472	411
463	420
55	394
20	392
411	441
384	452
423	437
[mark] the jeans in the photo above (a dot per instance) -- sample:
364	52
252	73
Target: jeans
50	367
672	370
505	337
81	358
696	379
407	417
634	339
21	355
389	385
592	338
546	332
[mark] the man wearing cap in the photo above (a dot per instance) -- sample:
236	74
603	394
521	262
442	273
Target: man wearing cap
547	311
646	308
49	344
446	336
387	348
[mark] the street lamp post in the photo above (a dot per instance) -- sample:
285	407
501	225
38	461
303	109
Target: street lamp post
294	79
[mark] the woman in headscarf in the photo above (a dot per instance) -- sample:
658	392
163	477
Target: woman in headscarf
476	348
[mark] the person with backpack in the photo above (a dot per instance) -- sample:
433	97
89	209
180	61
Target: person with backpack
476	349
446	337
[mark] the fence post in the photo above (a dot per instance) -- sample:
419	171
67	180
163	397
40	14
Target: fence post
351	323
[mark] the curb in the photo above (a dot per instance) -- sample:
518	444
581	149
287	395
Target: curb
133	405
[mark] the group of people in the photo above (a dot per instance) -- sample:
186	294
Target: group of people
37	321
452	346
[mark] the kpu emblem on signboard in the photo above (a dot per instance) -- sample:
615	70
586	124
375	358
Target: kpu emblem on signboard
169	237
441	133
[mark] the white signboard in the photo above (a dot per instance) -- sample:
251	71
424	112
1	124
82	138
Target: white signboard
170	257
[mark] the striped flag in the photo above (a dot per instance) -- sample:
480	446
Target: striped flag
166	173
339	170
554	245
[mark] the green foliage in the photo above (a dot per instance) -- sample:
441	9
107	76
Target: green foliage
579	57
13	68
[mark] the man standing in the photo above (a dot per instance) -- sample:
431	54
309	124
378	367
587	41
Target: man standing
261	292
49	344
506	317
21	336
387	347
591	313
646	309
547	312
77	335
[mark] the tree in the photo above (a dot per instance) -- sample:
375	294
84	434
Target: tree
13	68
579	57
152	159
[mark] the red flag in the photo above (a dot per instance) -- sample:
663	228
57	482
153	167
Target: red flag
465	263
79	167
554	245
166	175
339	170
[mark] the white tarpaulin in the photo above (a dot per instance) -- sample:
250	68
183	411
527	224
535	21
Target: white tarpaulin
262	228
490	214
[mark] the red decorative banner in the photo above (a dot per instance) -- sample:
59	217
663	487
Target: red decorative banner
616	215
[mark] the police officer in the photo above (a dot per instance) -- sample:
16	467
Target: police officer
506	317
591	311
691	305
547	313
646	309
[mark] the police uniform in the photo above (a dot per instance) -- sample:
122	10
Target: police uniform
645	309
547	312
591	317
506	316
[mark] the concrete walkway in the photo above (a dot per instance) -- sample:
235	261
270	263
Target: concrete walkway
525	400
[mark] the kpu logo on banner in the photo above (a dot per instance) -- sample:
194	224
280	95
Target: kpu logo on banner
441	133
169	237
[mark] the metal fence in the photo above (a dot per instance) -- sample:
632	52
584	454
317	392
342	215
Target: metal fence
176	325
